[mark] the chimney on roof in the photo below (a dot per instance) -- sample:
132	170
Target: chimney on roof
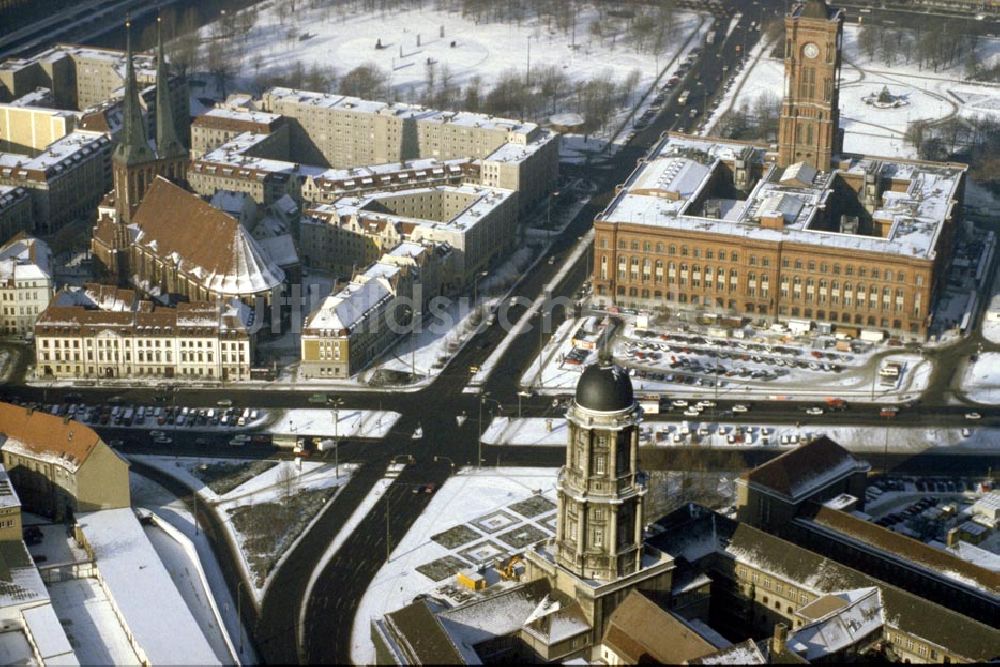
29	410
66	420
952	538
778	641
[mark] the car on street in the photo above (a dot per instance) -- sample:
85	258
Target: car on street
162	440
973	415
739	407
814	411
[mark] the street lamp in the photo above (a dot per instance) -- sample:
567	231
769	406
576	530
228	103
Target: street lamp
475	287
336	403
239	613
520	395
483	399
451	463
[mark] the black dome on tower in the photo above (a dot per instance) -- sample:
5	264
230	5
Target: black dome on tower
604	387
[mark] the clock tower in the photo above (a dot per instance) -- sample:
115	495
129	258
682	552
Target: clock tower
809	128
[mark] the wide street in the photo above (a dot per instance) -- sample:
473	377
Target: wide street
325	635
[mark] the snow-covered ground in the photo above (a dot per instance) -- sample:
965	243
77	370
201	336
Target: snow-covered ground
268	487
855	382
149	495
991	331
320	421
981	382
926	95
461	48
527	431
477	501
535	431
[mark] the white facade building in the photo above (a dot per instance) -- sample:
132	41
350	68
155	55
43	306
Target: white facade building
25	283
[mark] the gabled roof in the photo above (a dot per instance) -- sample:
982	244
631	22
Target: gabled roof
208	245
43	436
420	635
639	631
842	620
803	470
701	533
905	548
744	653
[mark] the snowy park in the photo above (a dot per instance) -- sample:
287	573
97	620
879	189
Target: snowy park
476	516
925	94
981	382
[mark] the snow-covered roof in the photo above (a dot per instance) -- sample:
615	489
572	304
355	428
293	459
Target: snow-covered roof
837	621
971	553
98	296
153	611
745	653
20	583
240	205
44	437
667	189
48	636
803	471
478	203
516	152
280	249
25	258
349	307
211	247
8	496
696	532
347	103
59	156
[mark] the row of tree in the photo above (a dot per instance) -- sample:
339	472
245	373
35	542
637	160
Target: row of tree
974	140
943	45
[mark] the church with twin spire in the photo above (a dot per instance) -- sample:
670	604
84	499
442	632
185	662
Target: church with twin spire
135	163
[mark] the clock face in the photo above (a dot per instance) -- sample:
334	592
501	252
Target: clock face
810	50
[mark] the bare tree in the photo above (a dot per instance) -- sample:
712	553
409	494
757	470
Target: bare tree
288	481
220	64
366	80
183	49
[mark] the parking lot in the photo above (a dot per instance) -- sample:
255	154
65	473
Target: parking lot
119	414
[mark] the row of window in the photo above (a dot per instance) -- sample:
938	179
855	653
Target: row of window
874	272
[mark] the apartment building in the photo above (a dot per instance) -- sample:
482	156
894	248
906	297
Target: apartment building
344	132
16	213
104	333
251	163
85	77
60	467
66	181
354	326
221	125
28	129
26	283
478	223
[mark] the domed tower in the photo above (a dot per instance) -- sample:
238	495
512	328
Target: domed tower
600	489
